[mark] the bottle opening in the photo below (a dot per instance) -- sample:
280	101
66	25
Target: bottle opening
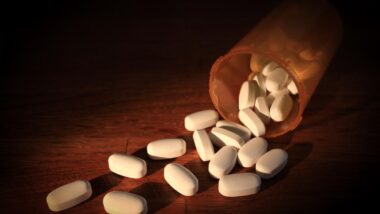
227	76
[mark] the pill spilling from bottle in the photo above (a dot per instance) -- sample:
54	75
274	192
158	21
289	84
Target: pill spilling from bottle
267	98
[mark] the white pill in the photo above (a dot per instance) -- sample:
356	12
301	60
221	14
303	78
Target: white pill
260	79
252	151
262	109
127	165
281	108
250	119
273	95
292	88
247	94
222	162
201	120
166	148
118	202
271	163
239	184
276	80
228	137
181	179
236	128
268	68
69	195
203	145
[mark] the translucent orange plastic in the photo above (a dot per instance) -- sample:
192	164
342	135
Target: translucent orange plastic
301	36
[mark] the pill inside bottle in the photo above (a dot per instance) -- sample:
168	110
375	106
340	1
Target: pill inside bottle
297	37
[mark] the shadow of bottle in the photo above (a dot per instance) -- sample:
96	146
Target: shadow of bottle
297	152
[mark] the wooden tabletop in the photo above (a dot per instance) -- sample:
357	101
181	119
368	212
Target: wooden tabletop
83	81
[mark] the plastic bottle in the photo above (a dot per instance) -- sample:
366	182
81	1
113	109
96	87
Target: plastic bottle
301	36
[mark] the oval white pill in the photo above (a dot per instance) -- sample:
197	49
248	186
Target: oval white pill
117	202
276	80
247	94
166	148
69	195
228	137
252	151
203	145
236	128
268	68
271	163
273	95
127	165
281	108
250	119
262	109
239	184
222	162
292	88
201	120
181	179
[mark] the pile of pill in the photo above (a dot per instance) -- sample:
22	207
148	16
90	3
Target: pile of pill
222	143
269	96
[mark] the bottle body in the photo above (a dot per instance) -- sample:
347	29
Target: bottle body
300	36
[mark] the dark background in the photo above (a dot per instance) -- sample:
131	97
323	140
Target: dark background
82	80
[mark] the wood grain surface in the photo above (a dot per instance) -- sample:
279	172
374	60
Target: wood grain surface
82	81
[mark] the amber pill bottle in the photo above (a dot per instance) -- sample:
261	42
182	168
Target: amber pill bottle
299	35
